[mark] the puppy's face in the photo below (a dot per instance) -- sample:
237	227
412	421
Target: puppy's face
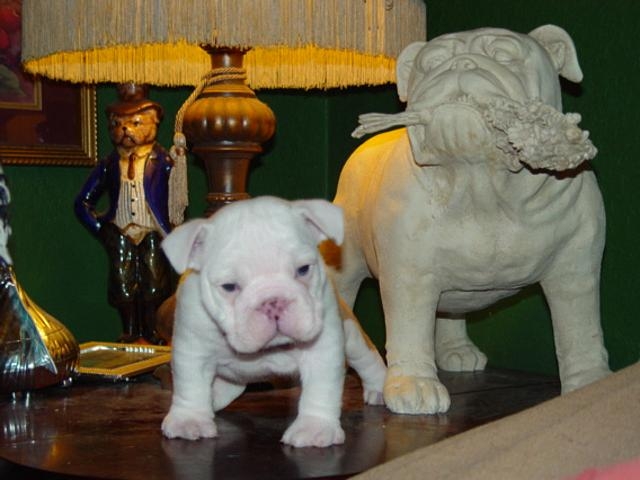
262	279
263	284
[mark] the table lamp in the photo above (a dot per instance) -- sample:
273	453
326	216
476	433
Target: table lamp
224	47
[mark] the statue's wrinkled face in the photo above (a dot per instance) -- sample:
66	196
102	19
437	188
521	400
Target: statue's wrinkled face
135	129
462	79
488	96
483	64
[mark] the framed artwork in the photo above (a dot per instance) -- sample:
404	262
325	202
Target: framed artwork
120	361
42	122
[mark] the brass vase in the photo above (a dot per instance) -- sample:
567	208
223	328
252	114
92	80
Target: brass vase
36	350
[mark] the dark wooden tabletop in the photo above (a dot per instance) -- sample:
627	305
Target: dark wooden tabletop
113	430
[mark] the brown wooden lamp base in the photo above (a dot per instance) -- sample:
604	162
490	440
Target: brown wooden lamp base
226	126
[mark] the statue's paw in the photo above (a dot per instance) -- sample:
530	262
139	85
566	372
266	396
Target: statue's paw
180	423
310	431
461	358
583	378
416	395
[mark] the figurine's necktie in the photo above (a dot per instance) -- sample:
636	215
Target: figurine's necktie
131	170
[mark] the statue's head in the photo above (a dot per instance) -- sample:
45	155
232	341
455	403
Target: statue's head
474	96
134	119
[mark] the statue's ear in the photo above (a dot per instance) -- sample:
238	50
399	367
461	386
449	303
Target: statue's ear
561	49
404	66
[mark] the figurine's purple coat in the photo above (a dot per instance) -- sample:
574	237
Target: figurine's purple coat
106	177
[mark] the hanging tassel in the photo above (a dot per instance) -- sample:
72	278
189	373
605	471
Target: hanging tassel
178	185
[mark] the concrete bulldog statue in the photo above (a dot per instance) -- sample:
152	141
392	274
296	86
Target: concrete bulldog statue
256	302
484	191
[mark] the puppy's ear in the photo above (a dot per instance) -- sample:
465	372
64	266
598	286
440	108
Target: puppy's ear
404	67
184	245
559	45
325	220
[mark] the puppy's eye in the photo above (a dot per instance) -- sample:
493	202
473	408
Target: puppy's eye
303	271
230	287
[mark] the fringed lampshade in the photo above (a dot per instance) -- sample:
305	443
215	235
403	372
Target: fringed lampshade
284	44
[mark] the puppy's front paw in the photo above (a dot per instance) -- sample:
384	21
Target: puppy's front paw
309	431
181	423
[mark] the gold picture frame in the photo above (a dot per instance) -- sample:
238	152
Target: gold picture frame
61	132
120	361
30	100
42	122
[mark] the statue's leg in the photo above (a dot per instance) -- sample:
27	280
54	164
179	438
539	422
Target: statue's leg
455	352
155	283
412	385
121	288
574	302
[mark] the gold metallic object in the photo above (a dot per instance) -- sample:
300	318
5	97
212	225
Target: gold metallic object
36	350
120	361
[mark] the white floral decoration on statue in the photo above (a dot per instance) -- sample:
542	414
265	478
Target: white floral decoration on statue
533	133
539	135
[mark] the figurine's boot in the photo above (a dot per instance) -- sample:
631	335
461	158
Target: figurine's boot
130	324
148	315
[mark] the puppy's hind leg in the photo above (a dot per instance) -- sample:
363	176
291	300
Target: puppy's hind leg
363	357
225	392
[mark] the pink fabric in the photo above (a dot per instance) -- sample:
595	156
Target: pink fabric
622	471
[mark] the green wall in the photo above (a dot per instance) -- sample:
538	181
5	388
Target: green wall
64	269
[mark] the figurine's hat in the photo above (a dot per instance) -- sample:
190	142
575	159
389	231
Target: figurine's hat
132	99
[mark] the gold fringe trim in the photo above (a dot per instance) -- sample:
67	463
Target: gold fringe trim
183	64
294	43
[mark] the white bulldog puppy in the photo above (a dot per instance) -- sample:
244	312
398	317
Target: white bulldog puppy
255	302
484	192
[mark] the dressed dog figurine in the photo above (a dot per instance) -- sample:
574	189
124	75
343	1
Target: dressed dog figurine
255	301
484	191
135	177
